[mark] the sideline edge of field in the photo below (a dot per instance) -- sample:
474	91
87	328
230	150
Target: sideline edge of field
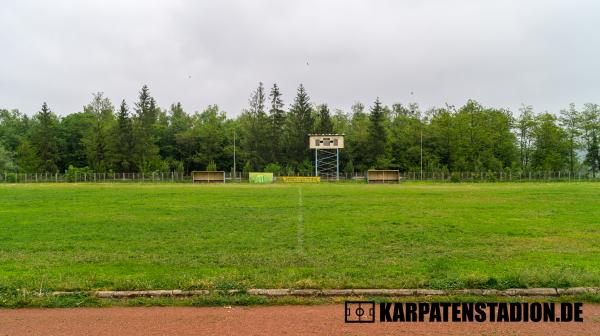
513	292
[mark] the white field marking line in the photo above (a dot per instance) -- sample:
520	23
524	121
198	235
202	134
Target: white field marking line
300	225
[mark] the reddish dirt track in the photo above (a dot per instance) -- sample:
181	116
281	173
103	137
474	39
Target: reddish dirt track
280	320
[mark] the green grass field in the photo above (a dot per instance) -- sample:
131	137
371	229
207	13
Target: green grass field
127	236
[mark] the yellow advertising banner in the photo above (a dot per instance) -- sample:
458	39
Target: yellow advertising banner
300	179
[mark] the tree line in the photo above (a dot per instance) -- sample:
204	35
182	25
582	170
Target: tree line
270	137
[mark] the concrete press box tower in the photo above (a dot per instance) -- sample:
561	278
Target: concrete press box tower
327	154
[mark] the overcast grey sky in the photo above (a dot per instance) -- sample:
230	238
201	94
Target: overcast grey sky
501	53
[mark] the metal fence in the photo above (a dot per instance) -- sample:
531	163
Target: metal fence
152	177
95	177
500	176
179	177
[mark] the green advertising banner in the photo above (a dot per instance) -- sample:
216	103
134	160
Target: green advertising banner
261	178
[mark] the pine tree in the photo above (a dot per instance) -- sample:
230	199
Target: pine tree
277	121
257	101
377	135
300	126
145	108
145	149
325	123
276	112
44	139
255	131
123	145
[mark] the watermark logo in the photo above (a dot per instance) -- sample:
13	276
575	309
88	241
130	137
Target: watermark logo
364	312
360	312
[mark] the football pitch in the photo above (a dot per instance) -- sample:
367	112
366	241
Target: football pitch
71	237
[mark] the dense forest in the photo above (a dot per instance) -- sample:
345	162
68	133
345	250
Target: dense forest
143	137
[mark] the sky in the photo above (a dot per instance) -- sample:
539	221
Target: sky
500	53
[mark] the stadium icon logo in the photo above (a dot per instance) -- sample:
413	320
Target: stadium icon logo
360	311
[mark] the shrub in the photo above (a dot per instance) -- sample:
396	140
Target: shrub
74	174
247	168
306	168
455	177
491	176
289	171
212	166
349	169
273	168
11	177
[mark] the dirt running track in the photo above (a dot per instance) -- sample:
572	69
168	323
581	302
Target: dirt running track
281	320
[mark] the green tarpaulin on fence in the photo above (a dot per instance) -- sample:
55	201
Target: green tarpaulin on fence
261	177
